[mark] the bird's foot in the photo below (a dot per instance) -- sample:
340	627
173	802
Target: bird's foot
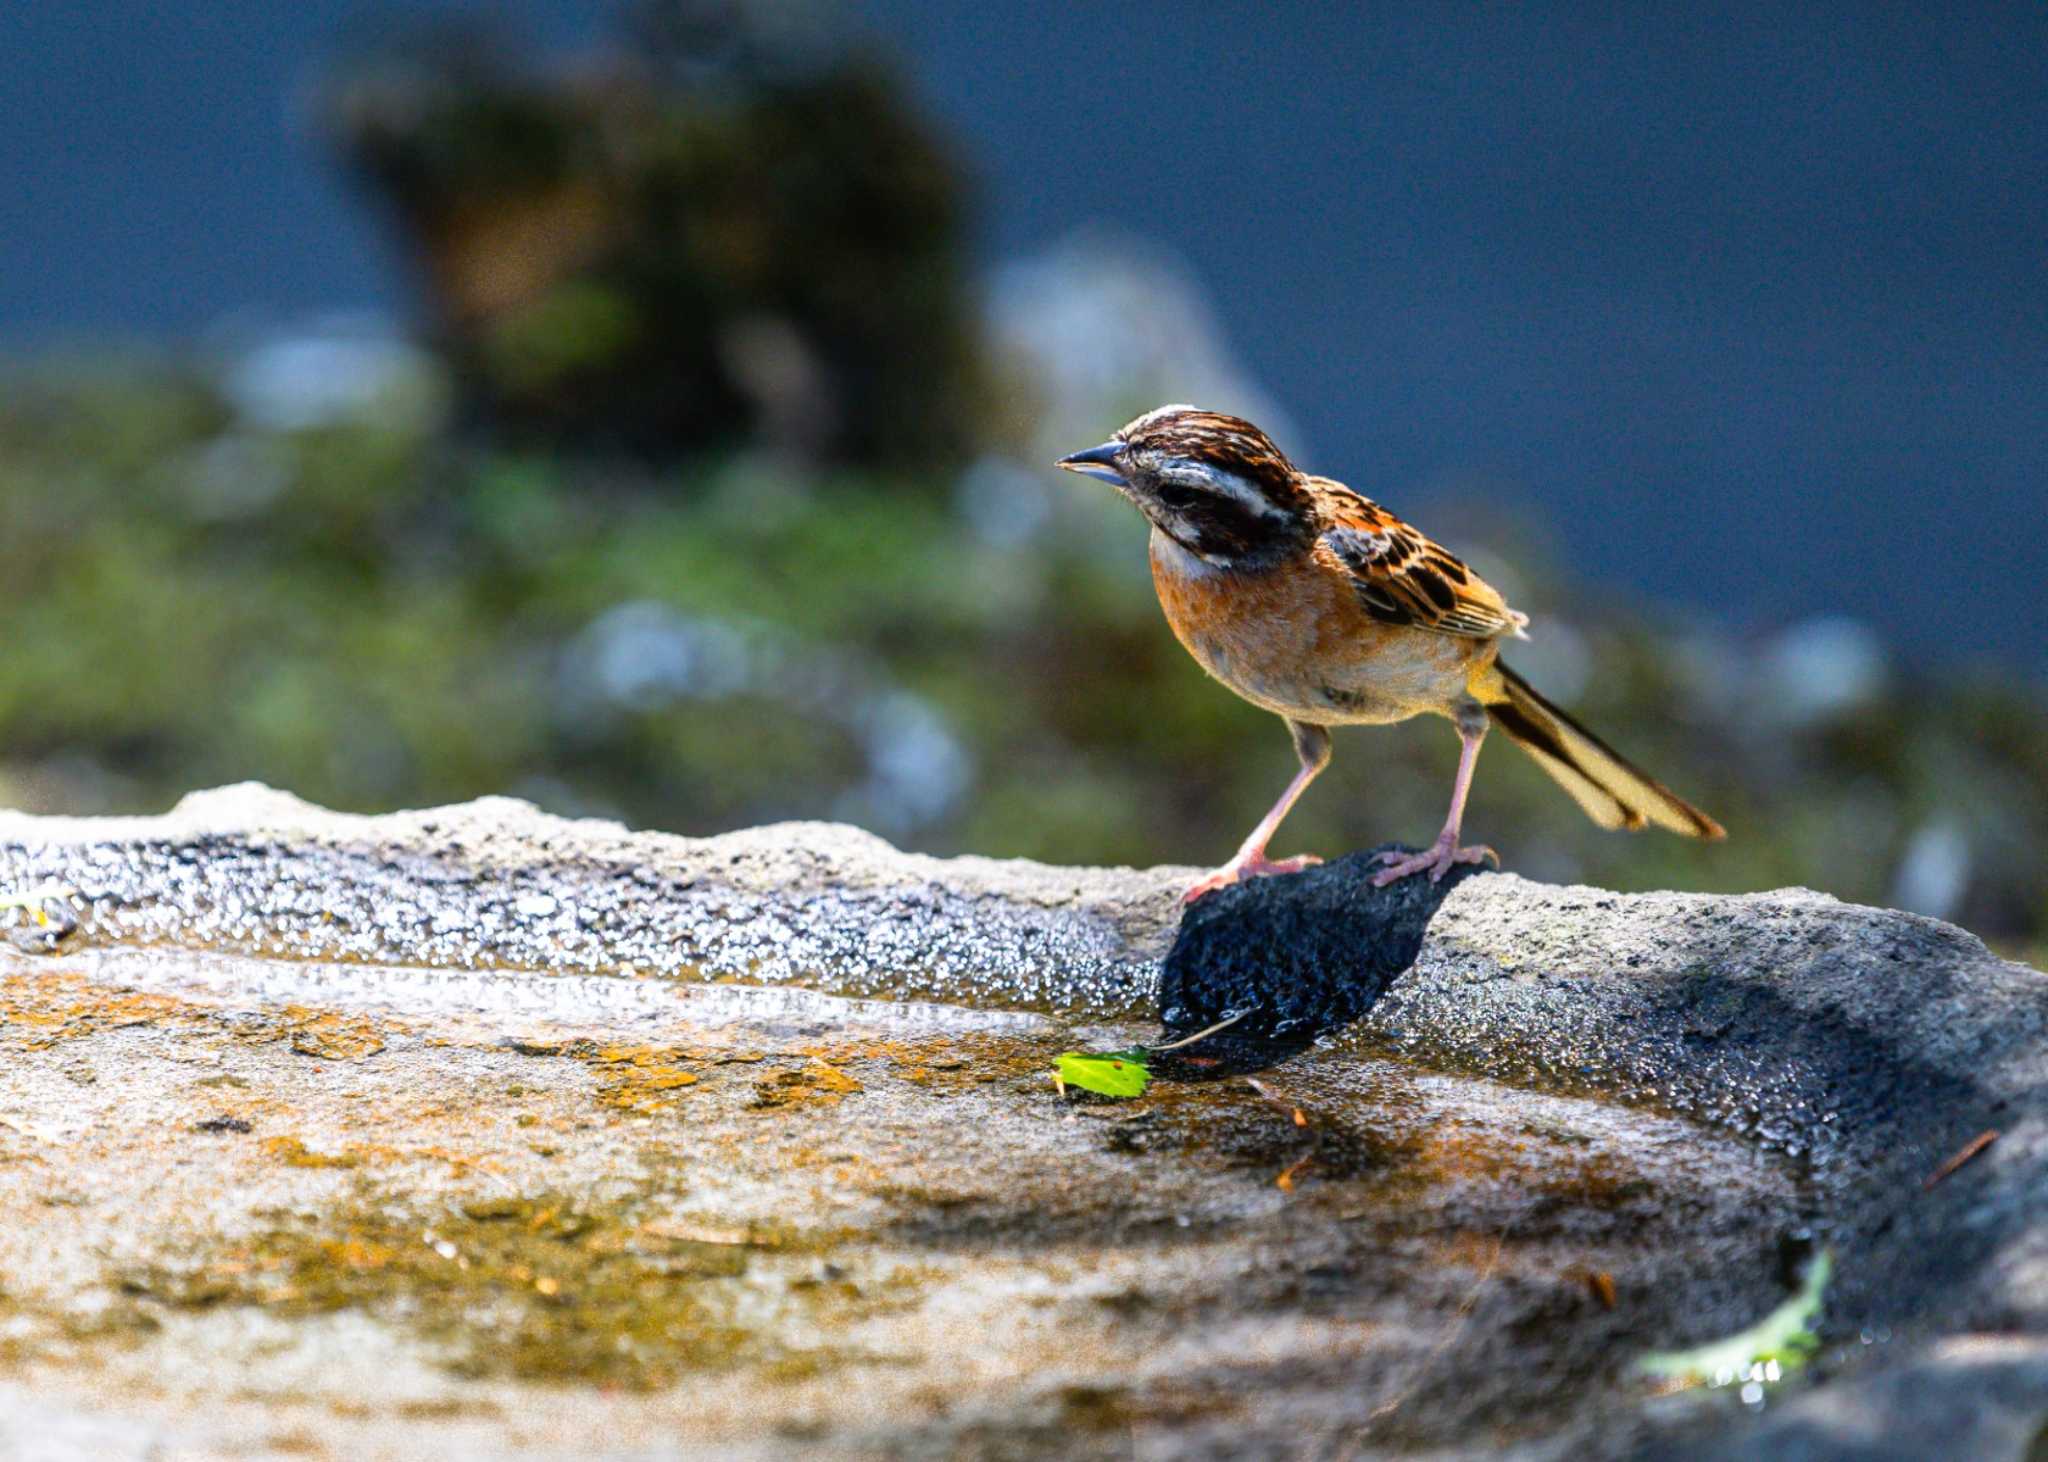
1436	861
1237	870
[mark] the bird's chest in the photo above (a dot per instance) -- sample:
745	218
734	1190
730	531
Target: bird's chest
1299	644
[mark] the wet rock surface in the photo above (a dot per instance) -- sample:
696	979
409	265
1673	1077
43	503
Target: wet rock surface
1281	962
482	1132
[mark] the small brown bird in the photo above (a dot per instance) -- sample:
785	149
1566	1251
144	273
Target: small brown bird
1318	604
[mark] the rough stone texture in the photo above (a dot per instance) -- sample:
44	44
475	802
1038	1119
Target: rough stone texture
1684	1092
495	883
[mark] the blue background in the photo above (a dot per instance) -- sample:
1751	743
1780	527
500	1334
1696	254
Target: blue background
1749	311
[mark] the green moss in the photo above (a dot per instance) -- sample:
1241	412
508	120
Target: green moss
577	326
398	622
550	1288
1095	1408
538	1289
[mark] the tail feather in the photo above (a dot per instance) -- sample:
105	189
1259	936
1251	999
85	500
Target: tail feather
1614	792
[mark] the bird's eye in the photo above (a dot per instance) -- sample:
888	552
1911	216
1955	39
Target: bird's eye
1175	494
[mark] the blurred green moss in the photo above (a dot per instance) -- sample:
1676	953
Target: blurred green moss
373	617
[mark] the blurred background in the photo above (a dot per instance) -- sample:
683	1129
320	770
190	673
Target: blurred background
646	409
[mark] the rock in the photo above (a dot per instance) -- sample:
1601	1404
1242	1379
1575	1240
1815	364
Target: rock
1969	1396
1574	1099
1288	959
261	871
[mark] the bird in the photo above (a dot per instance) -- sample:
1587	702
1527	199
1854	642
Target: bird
1312	601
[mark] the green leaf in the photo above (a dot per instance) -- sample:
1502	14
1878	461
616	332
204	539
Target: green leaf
1783	1340
34	900
1107	1073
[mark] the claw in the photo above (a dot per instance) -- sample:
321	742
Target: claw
1436	862
1237	870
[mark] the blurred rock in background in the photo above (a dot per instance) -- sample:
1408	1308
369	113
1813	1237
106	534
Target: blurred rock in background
728	227
1104	326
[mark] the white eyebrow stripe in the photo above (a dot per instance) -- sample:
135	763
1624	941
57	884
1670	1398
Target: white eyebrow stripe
1230	485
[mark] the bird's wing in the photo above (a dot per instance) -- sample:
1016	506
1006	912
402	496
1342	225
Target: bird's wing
1401	576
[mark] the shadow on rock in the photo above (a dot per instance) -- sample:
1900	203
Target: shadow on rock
1288	958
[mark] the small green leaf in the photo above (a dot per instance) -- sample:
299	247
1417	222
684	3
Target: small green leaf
1781	1341
1107	1073
35	900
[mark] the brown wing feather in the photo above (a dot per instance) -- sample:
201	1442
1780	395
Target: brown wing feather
1400	575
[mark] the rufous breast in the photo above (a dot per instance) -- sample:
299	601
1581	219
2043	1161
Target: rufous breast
1297	641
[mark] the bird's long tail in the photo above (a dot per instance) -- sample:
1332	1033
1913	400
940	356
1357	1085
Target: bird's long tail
1614	793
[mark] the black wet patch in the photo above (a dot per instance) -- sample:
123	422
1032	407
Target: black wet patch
217	1125
1292	957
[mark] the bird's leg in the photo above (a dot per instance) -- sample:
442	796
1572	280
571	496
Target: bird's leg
1312	745
1438	858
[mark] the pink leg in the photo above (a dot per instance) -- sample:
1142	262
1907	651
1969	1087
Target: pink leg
1312	744
1437	860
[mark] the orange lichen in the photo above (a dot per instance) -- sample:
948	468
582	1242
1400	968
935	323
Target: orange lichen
47	1007
818	1083
641	1080
331	1037
295	1154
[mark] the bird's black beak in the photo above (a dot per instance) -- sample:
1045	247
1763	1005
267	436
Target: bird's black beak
1099	462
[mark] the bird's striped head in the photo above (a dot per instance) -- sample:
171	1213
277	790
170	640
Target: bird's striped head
1215	484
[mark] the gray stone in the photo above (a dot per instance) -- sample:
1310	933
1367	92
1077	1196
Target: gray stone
1686	1093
